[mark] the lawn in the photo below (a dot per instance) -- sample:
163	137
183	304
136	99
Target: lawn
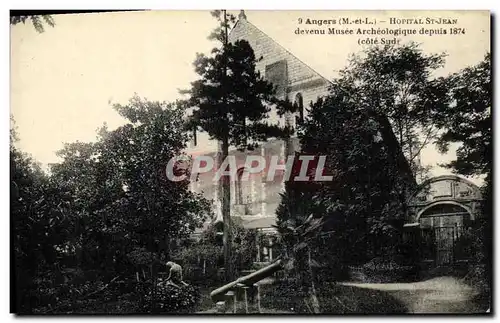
444	294
333	299
438	295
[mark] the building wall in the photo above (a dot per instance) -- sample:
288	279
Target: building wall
441	190
300	77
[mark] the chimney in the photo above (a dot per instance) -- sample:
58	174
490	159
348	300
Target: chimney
242	15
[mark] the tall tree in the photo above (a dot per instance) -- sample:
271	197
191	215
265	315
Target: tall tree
231	102
120	185
360	207
362	202
467	121
38	223
398	82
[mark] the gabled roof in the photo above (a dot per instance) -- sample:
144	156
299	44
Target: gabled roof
243	18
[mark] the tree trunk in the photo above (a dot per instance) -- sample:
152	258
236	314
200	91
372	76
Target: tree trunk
312	289
226	215
226	189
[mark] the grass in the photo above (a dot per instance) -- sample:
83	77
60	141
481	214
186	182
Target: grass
333	299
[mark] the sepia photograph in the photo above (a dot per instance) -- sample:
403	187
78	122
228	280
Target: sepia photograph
222	162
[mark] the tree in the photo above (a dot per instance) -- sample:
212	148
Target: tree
231	102
466	120
363	200
143	149
37	21
39	223
358	214
397	82
120	188
297	220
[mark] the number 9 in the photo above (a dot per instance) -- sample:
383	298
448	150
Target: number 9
300	20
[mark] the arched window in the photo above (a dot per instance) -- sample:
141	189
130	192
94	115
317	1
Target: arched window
443	215
299	104
239	186
243	188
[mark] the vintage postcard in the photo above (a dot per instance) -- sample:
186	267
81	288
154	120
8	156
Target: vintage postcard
251	162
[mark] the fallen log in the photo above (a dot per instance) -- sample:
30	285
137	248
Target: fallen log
248	280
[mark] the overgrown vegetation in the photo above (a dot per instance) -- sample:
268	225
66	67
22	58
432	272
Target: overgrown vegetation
380	112
92	234
202	259
106	211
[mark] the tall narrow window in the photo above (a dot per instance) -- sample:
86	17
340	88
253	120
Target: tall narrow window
243	188
299	104
195	138
239	188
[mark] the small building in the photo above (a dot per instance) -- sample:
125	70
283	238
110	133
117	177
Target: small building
440	211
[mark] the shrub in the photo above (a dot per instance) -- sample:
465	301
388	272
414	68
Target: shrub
384	270
171	299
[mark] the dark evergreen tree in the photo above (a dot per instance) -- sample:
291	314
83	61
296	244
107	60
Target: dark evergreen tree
231	102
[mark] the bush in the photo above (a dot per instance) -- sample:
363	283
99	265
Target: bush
171	299
380	270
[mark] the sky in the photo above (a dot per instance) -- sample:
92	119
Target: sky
64	81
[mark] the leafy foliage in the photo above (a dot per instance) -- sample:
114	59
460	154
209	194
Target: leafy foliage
37	21
368	128
171	299
201	259
39	221
397	82
467	119
108	206
361	206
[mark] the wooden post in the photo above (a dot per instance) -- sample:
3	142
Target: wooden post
221	307
257	235
247	280
270	249
245	290
242	287
239	288
258	296
231	297
235	302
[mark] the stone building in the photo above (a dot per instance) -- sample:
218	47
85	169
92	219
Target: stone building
253	202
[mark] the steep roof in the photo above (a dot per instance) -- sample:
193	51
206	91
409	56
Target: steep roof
270	50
